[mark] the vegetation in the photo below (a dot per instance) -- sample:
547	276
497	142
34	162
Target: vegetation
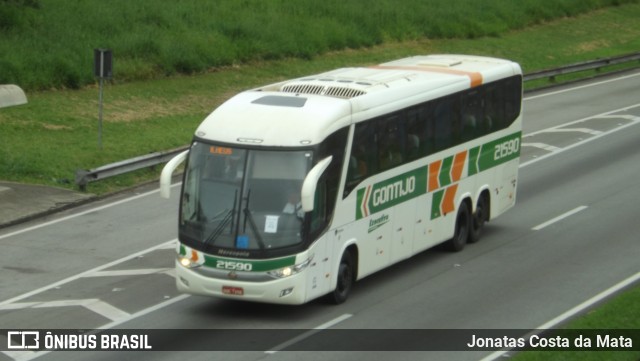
46	140
621	312
48	44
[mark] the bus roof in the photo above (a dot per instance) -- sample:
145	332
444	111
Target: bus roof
305	110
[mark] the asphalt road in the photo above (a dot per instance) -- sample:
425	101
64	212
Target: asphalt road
571	236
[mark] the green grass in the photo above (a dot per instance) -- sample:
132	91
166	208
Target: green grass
621	312
48	44
45	141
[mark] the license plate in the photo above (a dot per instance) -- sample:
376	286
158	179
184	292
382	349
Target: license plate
234	291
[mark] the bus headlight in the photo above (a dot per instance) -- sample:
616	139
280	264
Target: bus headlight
290	270
187	262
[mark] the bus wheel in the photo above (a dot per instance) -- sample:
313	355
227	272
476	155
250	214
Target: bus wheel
345	280
462	230
479	218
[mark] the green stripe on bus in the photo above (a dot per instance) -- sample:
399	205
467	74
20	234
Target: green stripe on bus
360	201
499	151
256	265
401	188
435	204
392	191
473	160
445	172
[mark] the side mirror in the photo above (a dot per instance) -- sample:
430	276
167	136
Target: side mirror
310	183
167	172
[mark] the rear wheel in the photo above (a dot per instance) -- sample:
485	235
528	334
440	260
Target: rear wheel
462	230
479	218
345	280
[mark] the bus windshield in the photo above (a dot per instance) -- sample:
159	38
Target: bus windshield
243	199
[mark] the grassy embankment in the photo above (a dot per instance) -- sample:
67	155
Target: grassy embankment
622	312
48	43
226	48
56	133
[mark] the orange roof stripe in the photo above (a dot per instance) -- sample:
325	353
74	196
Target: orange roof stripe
474	77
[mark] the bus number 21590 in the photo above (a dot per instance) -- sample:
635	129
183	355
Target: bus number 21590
234	266
506	149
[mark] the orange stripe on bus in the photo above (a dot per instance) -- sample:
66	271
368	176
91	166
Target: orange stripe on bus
434	170
448	204
474	77
458	165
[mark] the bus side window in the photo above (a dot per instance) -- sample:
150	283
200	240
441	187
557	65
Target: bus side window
362	162
390	142
416	134
472	115
513	99
446	124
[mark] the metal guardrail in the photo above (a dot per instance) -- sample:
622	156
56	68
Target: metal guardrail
83	177
582	66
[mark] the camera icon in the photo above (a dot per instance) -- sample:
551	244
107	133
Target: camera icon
23	340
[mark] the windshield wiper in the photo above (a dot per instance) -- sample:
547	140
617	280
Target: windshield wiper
227	218
248	216
254	228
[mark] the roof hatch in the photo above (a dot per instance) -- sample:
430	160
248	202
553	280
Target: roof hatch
345	89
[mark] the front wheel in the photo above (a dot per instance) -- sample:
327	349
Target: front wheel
462	230
345	280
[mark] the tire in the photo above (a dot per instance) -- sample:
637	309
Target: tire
345	282
462	229
479	218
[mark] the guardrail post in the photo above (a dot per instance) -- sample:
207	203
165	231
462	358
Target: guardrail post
81	179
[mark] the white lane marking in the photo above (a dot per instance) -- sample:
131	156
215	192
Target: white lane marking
581	87
634	121
574	311
309	333
609	114
544	146
93	304
75	215
129	272
100	307
29	355
87	273
20	355
579	130
559	218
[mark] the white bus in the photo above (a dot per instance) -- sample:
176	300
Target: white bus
295	190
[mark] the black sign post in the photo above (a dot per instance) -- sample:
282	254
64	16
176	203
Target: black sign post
102	69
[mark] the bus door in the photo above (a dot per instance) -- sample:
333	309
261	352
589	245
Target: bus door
379	227
403	230
319	272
